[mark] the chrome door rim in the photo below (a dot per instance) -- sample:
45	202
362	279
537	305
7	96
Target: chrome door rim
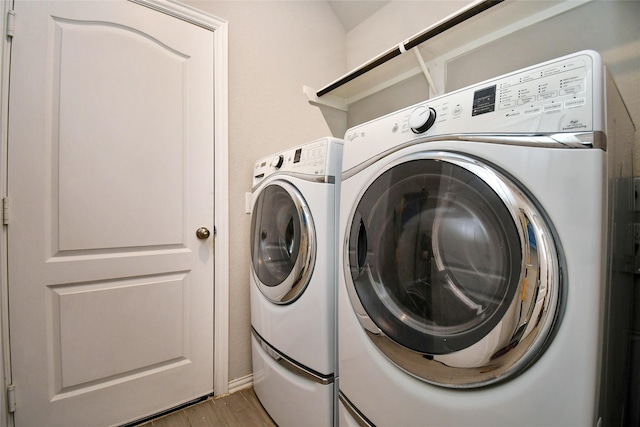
536	320
294	285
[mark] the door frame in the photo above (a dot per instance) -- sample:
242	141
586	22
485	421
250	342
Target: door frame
219	27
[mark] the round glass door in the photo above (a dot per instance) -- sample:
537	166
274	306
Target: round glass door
282	243
454	267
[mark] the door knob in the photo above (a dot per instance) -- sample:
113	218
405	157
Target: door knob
203	233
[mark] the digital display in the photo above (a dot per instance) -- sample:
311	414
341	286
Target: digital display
296	156
484	101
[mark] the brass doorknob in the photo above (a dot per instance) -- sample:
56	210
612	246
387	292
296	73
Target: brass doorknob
203	233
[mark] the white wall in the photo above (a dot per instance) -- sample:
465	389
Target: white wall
275	47
394	23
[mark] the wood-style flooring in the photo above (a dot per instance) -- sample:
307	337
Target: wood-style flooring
240	409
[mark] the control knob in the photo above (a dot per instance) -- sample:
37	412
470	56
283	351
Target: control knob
421	119
277	161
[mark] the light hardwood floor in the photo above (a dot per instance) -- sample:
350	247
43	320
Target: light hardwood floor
240	409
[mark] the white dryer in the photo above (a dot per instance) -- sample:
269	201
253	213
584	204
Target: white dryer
485	253
293	282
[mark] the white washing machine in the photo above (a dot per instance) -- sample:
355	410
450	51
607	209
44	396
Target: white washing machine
485	251
293	283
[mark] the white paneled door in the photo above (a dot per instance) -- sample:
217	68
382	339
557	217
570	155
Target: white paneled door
110	174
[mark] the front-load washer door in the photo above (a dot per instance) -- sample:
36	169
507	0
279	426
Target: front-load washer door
283	245
452	269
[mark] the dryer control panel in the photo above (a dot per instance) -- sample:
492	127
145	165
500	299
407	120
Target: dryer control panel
317	158
559	96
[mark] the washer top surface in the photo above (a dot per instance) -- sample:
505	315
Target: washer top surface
558	102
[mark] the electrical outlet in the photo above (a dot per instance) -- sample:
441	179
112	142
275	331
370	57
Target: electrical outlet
247	203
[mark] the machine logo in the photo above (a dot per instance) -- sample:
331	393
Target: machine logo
575	124
355	135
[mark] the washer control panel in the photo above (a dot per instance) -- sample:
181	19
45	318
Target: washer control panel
547	90
558	96
314	158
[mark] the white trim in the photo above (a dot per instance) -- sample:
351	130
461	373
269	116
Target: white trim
240	383
6	419
221	178
221	203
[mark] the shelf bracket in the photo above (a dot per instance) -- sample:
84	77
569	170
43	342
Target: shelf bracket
425	71
326	101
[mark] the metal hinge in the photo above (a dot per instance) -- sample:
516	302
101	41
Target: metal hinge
11	23
636	193
5	210
636	248
11	398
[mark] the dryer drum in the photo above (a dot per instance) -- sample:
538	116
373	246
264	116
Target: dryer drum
455	266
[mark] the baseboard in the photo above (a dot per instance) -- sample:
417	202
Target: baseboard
240	383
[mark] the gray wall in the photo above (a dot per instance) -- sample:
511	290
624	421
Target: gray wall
275	47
